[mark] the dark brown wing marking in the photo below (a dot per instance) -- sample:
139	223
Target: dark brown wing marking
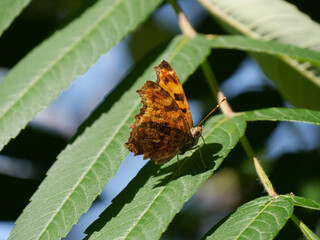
159	107
156	141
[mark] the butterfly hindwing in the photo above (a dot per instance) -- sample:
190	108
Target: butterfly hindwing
155	141
160	127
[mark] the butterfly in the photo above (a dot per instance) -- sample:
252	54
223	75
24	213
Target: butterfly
164	126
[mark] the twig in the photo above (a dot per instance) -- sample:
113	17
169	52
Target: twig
188	30
304	229
261	173
184	23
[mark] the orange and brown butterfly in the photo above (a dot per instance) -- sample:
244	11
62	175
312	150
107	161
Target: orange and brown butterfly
164	126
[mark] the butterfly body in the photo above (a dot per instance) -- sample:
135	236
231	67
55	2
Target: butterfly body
164	126
192	140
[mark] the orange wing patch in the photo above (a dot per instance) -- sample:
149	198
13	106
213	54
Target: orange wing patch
159	107
168	80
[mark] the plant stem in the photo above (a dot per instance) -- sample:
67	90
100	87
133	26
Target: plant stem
184	23
188	30
206	69
305	230
261	173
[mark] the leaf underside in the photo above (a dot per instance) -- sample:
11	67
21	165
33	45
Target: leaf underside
306	203
261	218
276	20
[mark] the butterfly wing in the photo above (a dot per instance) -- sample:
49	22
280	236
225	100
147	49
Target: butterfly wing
168	80
155	141
160	127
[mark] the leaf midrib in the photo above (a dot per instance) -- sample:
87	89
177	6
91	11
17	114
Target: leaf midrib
258	214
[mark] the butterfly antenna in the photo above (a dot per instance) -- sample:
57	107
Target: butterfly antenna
212	111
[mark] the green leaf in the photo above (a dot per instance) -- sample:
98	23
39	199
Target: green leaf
144	209
84	168
268	47
9	9
306	203
281	21
282	114
261	218
50	68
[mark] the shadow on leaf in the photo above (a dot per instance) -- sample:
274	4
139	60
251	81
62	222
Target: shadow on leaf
190	165
123	198
153	176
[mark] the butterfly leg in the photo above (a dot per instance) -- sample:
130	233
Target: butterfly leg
204	142
179	164
198	146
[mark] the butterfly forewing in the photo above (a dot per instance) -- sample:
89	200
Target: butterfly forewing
159	107
169	81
